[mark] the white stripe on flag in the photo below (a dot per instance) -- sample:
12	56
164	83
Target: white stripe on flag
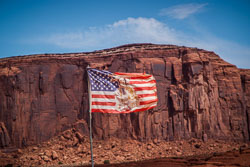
144	86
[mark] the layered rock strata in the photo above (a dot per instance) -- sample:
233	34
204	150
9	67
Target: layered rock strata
200	95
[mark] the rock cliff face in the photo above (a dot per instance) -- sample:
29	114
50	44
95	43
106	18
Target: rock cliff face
200	95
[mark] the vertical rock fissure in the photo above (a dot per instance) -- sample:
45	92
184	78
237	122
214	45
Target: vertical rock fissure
171	112
173	79
247	115
243	82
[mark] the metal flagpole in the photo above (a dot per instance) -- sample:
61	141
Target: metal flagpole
90	123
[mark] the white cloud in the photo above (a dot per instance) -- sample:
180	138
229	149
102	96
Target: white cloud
131	30
182	11
145	30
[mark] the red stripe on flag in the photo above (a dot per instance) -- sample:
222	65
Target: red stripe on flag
142	82
148	102
104	110
147	95
144	109
118	112
103	103
103	96
140	77
144	88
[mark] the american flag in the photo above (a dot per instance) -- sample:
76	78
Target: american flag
121	92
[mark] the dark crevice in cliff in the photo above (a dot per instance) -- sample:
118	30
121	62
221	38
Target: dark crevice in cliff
41	83
66	95
247	115
173	79
135	122
171	112
243	81
243	85
85	107
185	71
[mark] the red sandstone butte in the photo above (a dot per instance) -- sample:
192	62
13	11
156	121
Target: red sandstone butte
199	95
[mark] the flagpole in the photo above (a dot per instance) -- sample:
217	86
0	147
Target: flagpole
90	123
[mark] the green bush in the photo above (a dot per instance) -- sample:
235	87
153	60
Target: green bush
106	162
60	163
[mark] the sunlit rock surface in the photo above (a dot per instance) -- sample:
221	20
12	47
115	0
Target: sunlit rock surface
199	95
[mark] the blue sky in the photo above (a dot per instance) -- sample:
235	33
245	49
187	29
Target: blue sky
60	26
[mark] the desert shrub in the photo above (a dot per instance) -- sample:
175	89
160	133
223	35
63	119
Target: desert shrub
106	162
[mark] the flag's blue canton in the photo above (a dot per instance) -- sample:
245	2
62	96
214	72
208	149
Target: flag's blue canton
102	80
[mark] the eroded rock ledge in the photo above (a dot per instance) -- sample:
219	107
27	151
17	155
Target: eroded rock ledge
200	95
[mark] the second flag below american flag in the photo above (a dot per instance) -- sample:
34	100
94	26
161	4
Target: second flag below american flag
121	92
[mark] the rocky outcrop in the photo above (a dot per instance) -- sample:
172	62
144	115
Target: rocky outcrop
199	95
68	151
